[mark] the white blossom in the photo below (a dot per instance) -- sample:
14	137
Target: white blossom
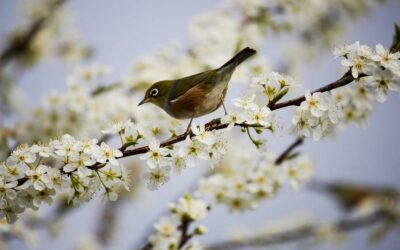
206	137
187	207
381	82
261	116
7	189
315	103
178	160
80	163
157	176
23	154
37	177
299	172
358	65
246	103
385	58
115	128
166	226
303	123
156	156
108	154
193	150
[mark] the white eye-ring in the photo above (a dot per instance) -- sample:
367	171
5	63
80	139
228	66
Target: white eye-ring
154	92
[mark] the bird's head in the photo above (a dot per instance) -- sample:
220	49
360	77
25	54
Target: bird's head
157	93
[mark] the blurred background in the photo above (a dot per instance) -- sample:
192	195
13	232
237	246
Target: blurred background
120	32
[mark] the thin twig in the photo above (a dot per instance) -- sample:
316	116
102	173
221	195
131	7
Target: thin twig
347	78
281	158
185	237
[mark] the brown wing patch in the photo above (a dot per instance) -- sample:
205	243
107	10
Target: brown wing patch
186	105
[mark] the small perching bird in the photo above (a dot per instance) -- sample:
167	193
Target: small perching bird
196	95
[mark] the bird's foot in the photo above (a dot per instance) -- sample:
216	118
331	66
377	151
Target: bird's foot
189	127
223	105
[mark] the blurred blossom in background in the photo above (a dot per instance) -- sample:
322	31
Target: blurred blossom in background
90	63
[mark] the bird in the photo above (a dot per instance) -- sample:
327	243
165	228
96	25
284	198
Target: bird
195	95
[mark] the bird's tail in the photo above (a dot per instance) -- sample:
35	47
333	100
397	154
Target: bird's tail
239	58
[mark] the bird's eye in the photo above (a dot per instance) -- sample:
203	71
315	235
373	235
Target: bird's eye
154	92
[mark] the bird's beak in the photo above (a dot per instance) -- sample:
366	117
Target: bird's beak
145	100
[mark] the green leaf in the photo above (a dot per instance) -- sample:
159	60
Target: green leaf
259	130
280	94
102	89
238	45
292	156
128	144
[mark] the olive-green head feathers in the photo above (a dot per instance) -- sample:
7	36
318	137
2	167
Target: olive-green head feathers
157	93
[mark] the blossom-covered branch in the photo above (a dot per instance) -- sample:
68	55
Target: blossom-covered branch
179	240
86	165
347	78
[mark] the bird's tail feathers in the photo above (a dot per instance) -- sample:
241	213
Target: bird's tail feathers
243	55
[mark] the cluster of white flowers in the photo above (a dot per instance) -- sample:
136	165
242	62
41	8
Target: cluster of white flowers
245	189
356	103
204	145
376	72
318	24
381	67
253	109
169	230
275	85
80	110
316	116
78	168
221	31
246	111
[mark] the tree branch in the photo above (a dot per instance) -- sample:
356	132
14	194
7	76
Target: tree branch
347	78
22	44
285	154
185	237
217	125
305	232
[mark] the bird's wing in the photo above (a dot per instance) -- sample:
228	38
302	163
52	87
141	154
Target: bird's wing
181	86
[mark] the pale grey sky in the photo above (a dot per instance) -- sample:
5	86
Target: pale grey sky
120	31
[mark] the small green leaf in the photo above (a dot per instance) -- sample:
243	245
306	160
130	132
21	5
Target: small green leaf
128	144
292	156
280	94
238	45
258	130
102	89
